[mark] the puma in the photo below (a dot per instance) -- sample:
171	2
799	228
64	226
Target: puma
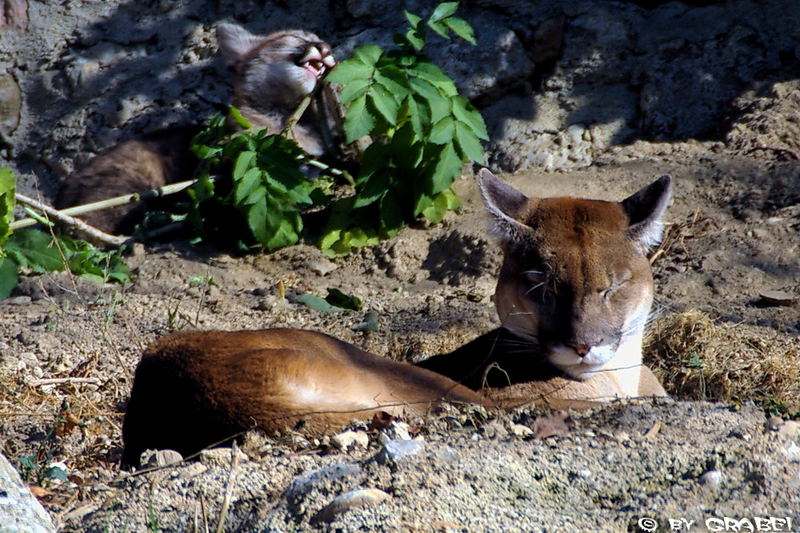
573	297
273	74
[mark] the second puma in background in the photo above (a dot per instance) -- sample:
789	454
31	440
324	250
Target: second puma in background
273	74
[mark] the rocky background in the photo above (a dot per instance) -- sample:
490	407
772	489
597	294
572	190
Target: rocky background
584	98
559	82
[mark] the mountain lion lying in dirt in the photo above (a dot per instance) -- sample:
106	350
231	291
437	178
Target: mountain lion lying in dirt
575	291
273	74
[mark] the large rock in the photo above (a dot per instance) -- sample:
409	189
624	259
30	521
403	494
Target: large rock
20	512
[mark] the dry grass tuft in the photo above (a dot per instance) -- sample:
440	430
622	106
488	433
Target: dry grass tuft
699	359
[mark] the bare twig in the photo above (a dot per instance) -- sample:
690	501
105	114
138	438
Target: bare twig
57	381
295	117
792	154
223	513
80	225
203	511
158	192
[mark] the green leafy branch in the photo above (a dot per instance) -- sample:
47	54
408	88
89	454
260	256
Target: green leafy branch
422	132
39	252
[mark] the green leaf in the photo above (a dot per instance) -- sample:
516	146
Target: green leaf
237	117
439	105
32	249
354	88
339	299
8	277
435	212
465	112
438	27
359	121
443	131
451	197
419	115
318	304
7	202
374	188
256	221
350	70
462	28
369	54
243	163
247	185
443	10
415	38
394	81
413	20
391	214
469	144
385	103
432	73
447	169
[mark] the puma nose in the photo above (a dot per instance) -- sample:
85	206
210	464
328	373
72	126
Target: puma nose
580	349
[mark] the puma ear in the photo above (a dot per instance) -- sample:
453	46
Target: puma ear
645	209
503	202
235	42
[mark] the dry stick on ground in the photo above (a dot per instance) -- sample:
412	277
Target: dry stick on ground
80	225
223	513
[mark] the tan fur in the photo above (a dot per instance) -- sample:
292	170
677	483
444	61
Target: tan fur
192	389
272	76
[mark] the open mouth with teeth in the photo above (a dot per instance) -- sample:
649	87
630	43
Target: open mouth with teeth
314	62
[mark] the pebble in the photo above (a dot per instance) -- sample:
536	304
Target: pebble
518	430
791	451
779	298
322	266
155	458
396	451
220	457
350	500
191	470
304	484
350	440
394	431
790	429
712	478
448	454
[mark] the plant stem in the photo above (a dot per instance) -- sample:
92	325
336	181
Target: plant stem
80	225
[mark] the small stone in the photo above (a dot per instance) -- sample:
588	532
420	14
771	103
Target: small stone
621	436
350	440
712	478
394	431
350	500
322	266
304	484
156	458
447	454
138	249
791	451
584	473
396	451
220	457
790	429
518	430
191	470
778	298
